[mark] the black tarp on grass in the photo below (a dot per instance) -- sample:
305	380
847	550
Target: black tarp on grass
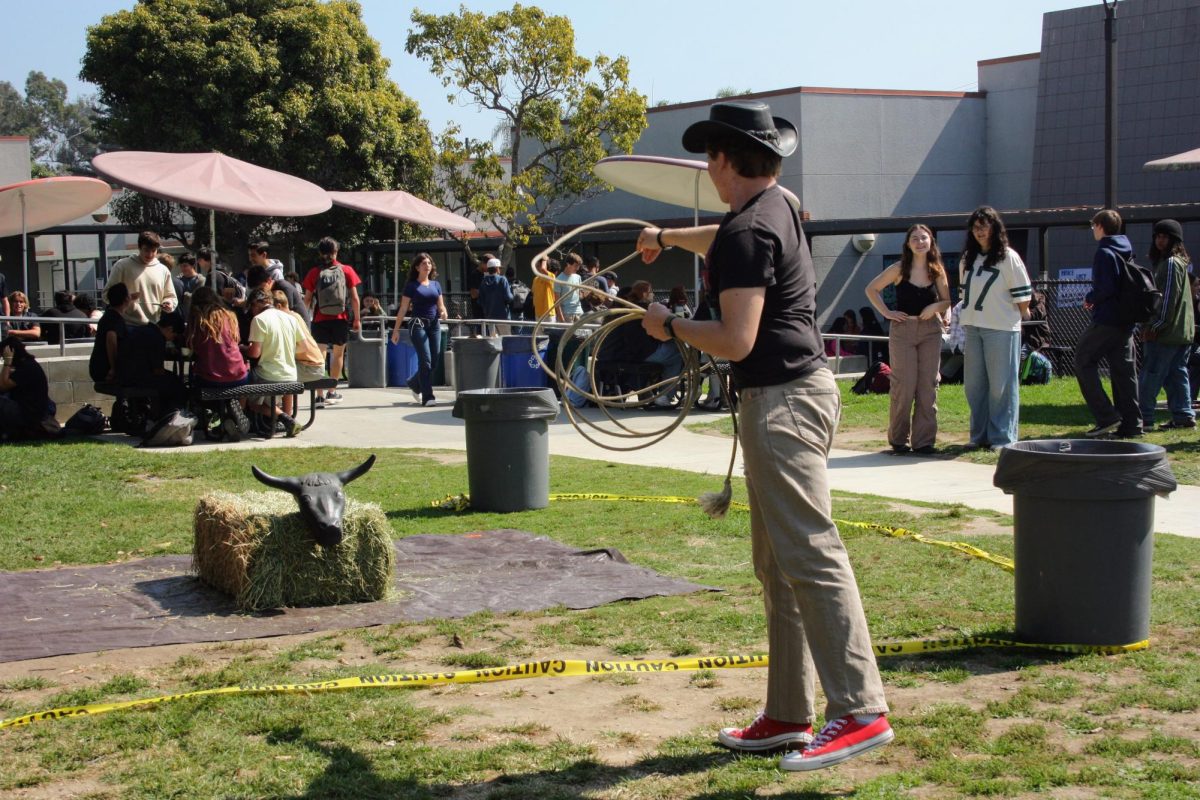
157	601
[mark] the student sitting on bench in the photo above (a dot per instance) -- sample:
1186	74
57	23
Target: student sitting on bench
140	360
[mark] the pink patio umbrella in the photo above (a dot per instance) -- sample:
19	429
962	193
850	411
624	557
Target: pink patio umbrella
679	181
399	205
214	181
1179	161
44	203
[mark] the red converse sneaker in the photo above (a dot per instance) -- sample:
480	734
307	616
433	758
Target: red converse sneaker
840	740
765	734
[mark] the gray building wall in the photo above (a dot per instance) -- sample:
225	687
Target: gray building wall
1011	85
1158	96
1033	137
862	153
1158	113
878	154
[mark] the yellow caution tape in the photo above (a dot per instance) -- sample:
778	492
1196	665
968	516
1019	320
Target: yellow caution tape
549	668
462	502
561	668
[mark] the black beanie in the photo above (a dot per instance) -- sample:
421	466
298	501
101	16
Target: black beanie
1169	227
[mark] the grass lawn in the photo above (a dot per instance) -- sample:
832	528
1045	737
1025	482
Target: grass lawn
971	723
1053	411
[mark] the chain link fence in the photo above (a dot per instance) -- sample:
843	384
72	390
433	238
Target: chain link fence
1067	320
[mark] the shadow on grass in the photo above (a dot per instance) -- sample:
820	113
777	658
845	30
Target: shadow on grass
1068	417
351	775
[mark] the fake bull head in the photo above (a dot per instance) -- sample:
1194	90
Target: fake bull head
320	497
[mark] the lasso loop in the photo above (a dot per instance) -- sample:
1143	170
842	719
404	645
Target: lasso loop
593	329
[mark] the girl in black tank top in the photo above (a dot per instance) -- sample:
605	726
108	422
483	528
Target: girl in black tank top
914	341
912	299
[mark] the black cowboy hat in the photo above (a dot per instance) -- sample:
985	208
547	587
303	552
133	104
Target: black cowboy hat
749	118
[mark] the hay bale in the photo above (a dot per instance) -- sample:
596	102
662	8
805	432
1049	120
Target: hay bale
256	548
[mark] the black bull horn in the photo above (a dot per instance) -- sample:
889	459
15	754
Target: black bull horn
320	497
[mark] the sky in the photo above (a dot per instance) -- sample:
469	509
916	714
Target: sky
678	52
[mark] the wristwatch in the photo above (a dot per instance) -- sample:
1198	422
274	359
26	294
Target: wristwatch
669	325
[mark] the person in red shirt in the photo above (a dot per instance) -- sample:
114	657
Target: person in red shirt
332	329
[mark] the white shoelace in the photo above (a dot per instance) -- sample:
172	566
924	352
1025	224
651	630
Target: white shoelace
828	733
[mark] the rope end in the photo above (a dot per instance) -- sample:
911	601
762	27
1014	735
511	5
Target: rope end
715	504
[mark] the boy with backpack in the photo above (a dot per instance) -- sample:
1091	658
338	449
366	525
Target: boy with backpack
327	287
1109	337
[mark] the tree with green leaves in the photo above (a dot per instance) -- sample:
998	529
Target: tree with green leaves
293	85
562	113
62	135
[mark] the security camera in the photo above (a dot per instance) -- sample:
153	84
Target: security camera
863	242
100	216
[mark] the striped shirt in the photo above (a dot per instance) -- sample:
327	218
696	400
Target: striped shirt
990	294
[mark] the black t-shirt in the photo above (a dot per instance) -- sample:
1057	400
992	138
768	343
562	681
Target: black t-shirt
98	365
763	245
474	279
50	330
32	392
143	351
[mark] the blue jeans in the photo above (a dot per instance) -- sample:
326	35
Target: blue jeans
668	355
991	360
1165	365
427	341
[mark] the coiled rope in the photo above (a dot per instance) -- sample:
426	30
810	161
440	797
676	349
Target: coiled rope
593	329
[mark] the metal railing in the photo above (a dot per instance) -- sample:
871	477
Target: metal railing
61	322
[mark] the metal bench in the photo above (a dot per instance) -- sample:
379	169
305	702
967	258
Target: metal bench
246	390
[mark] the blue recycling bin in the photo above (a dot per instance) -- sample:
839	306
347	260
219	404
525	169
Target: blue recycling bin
401	360
518	366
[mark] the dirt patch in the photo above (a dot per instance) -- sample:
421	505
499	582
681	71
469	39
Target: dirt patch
445	458
624	717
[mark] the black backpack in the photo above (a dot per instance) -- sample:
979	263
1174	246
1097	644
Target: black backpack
87	421
1138	299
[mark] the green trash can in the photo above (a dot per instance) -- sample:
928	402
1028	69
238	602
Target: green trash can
476	362
1083	537
439	370
508	446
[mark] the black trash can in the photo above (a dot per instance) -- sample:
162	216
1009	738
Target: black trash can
1083	535
476	362
508	446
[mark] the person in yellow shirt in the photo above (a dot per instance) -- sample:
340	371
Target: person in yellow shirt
543	288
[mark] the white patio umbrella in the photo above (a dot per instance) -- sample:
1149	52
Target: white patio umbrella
44	203
400	205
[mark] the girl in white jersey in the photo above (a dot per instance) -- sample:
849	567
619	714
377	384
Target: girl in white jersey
996	291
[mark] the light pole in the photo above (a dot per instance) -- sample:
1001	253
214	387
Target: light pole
1110	103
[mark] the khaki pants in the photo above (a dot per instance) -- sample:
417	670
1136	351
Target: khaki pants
916	351
815	622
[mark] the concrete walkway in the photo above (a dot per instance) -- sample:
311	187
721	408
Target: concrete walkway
378	418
